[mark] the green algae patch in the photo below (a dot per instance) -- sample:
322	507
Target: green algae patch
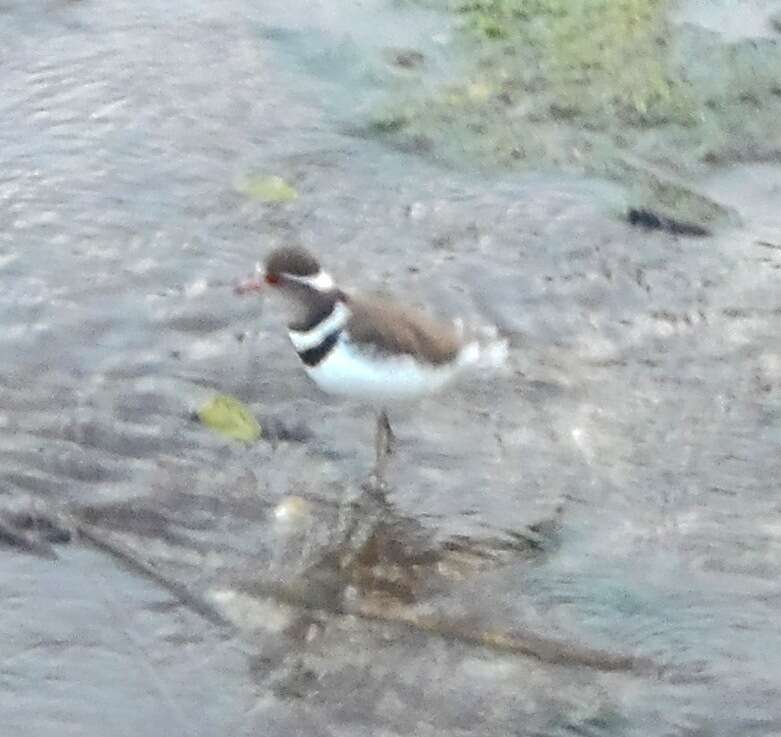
607	88
597	57
229	417
264	188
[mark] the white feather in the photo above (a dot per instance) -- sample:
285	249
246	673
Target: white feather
484	355
486	351
322	281
303	340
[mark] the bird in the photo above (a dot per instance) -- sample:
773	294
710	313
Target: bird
365	346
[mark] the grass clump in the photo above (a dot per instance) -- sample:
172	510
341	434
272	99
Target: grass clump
609	88
597	57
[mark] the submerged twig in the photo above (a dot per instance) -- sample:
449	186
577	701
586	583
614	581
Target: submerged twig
528	644
128	557
143	659
60	526
544	649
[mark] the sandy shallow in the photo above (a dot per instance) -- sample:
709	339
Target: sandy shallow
614	489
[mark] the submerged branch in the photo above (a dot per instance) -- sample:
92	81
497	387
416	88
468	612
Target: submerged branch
527	644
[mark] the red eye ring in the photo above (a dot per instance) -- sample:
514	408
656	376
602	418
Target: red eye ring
272	279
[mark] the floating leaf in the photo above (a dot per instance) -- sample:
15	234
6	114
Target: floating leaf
230	417
266	188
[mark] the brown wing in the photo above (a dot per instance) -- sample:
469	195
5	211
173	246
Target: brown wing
392	328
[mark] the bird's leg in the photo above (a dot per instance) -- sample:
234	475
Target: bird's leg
384	441
390	438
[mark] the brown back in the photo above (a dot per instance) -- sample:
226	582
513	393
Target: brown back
394	329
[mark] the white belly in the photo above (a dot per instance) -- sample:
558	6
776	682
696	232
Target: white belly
349	372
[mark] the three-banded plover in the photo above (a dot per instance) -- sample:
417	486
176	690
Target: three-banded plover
367	347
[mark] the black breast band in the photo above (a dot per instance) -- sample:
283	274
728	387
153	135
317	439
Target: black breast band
313	356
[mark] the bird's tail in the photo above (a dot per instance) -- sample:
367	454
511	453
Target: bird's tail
484	349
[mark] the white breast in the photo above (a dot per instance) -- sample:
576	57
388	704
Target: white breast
349	371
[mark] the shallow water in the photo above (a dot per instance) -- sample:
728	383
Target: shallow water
641	398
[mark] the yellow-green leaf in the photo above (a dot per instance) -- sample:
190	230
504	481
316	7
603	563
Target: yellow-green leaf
266	188
230	417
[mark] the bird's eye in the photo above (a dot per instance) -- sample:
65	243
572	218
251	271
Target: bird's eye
272	278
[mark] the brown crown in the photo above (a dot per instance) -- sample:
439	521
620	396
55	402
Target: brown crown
291	260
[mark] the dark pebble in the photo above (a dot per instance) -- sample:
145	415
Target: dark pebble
650	220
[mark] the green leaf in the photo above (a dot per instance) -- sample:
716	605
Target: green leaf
266	188
231	418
